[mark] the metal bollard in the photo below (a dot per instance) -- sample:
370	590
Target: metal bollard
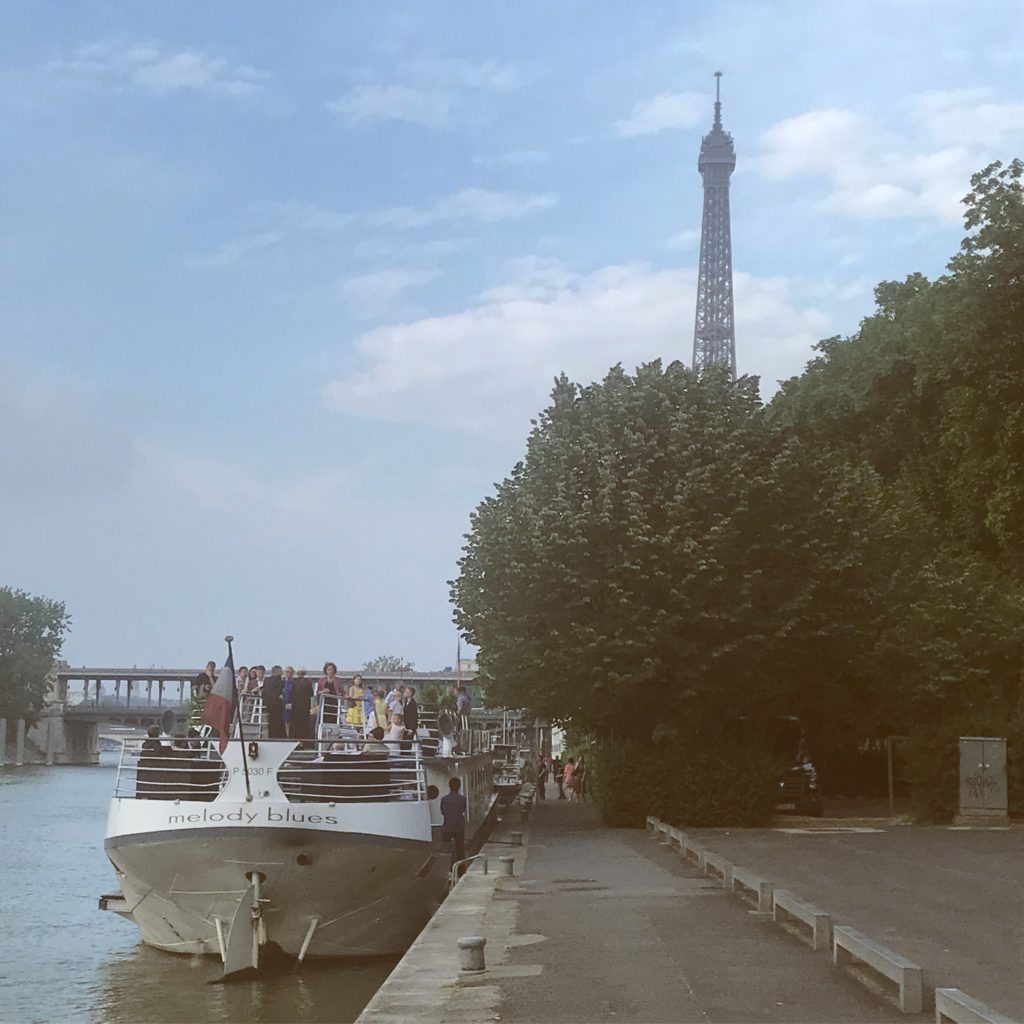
507	866
471	952
517	838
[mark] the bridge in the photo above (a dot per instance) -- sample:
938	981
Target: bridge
83	703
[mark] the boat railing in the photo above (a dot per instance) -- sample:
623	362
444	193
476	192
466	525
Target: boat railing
334	710
252	714
182	769
354	770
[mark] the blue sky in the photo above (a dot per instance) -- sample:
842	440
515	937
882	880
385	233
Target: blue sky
282	285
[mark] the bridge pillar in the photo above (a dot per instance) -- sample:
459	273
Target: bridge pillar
19	743
3	741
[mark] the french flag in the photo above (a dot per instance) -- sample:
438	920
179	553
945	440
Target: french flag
222	702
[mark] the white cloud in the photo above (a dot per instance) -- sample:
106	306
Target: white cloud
472	204
229	253
685	239
372	295
916	161
118	62
665	112
488	75
427	91
425	107
488	368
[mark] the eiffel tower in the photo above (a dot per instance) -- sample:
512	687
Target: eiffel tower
714	333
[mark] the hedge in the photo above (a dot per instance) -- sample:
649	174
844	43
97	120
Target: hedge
682	785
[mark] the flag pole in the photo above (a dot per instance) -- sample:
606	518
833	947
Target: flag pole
236	710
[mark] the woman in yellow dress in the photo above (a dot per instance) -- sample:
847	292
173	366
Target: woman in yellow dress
355	702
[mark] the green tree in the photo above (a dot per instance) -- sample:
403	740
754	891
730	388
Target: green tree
662	562
32	631
388	664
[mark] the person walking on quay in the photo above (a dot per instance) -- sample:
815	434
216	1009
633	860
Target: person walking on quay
453	815
273	704
542	778
301	727
579	780
569	777
558	771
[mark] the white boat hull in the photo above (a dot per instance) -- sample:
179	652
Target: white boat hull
337	879
371	894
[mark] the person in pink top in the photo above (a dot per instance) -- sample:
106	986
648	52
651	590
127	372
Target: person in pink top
570	772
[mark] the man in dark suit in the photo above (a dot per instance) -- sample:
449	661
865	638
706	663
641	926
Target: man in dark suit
412	710
411	715
273	702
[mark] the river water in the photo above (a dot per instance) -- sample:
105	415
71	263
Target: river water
62	959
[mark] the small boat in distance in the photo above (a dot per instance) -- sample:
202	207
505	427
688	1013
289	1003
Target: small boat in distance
327	847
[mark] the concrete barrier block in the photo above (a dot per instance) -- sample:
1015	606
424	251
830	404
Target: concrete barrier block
652	823
786	905
760	890
850	945
696	852
953	1005
715	864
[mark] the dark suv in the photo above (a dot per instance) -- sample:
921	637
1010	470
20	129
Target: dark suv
797	785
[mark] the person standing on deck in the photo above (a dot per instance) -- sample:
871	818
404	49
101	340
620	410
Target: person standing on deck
302	707
289	680
453	814
411	713
354	714
201	687
380	708
273	704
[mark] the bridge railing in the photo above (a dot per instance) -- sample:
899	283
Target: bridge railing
127	693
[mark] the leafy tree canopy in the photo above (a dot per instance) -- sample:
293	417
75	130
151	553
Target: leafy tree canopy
388	664
32	633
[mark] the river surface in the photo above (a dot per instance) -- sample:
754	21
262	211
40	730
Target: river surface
62	959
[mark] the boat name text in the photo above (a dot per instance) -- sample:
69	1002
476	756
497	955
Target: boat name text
240	816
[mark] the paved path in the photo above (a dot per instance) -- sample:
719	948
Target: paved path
617	929
950	900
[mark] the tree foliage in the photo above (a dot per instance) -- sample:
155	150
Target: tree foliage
32	631
388	664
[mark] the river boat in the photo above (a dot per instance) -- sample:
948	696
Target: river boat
328	847
508	771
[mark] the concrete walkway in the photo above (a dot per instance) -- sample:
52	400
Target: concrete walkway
951	900
612	927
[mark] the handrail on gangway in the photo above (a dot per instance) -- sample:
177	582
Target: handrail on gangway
454	876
